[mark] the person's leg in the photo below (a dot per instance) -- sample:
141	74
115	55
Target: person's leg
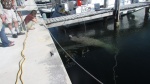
9	19
17	28
20	15
10	27
14	35
15	21
4	39
30	25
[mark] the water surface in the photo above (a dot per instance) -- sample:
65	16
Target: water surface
97	55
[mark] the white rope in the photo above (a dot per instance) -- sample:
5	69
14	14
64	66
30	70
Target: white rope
115	57
76	61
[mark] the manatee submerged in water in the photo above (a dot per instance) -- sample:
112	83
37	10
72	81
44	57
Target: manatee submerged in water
94	42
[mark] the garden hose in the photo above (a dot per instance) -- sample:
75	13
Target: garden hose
21	62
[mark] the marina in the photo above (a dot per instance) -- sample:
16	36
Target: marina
108	44
132	41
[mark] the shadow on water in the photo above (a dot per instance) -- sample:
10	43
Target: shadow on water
94	47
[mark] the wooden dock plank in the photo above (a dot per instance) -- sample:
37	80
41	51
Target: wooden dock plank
53	20
62	18
79	20
76	18
57	19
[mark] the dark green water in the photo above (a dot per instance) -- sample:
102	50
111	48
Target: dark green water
96	51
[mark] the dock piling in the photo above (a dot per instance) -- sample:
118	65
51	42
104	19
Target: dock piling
116	14
105	22
105	3
146	14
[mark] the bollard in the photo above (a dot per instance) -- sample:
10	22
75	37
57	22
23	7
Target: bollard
44	16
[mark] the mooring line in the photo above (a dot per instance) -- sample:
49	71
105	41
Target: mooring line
73	58
76	61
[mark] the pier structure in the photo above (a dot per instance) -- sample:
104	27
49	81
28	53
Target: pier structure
103	13
34	58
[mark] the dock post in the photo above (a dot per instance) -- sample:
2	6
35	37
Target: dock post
116	14
146	14
105	3
105	22
132	1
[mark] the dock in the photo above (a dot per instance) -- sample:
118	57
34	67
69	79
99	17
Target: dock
89	16
30	60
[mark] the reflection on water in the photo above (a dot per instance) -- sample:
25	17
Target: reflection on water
94	47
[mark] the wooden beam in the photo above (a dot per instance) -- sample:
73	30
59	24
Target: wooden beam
79	20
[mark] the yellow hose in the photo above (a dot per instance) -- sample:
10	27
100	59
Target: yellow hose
20	71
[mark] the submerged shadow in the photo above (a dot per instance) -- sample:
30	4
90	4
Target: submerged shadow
131	20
